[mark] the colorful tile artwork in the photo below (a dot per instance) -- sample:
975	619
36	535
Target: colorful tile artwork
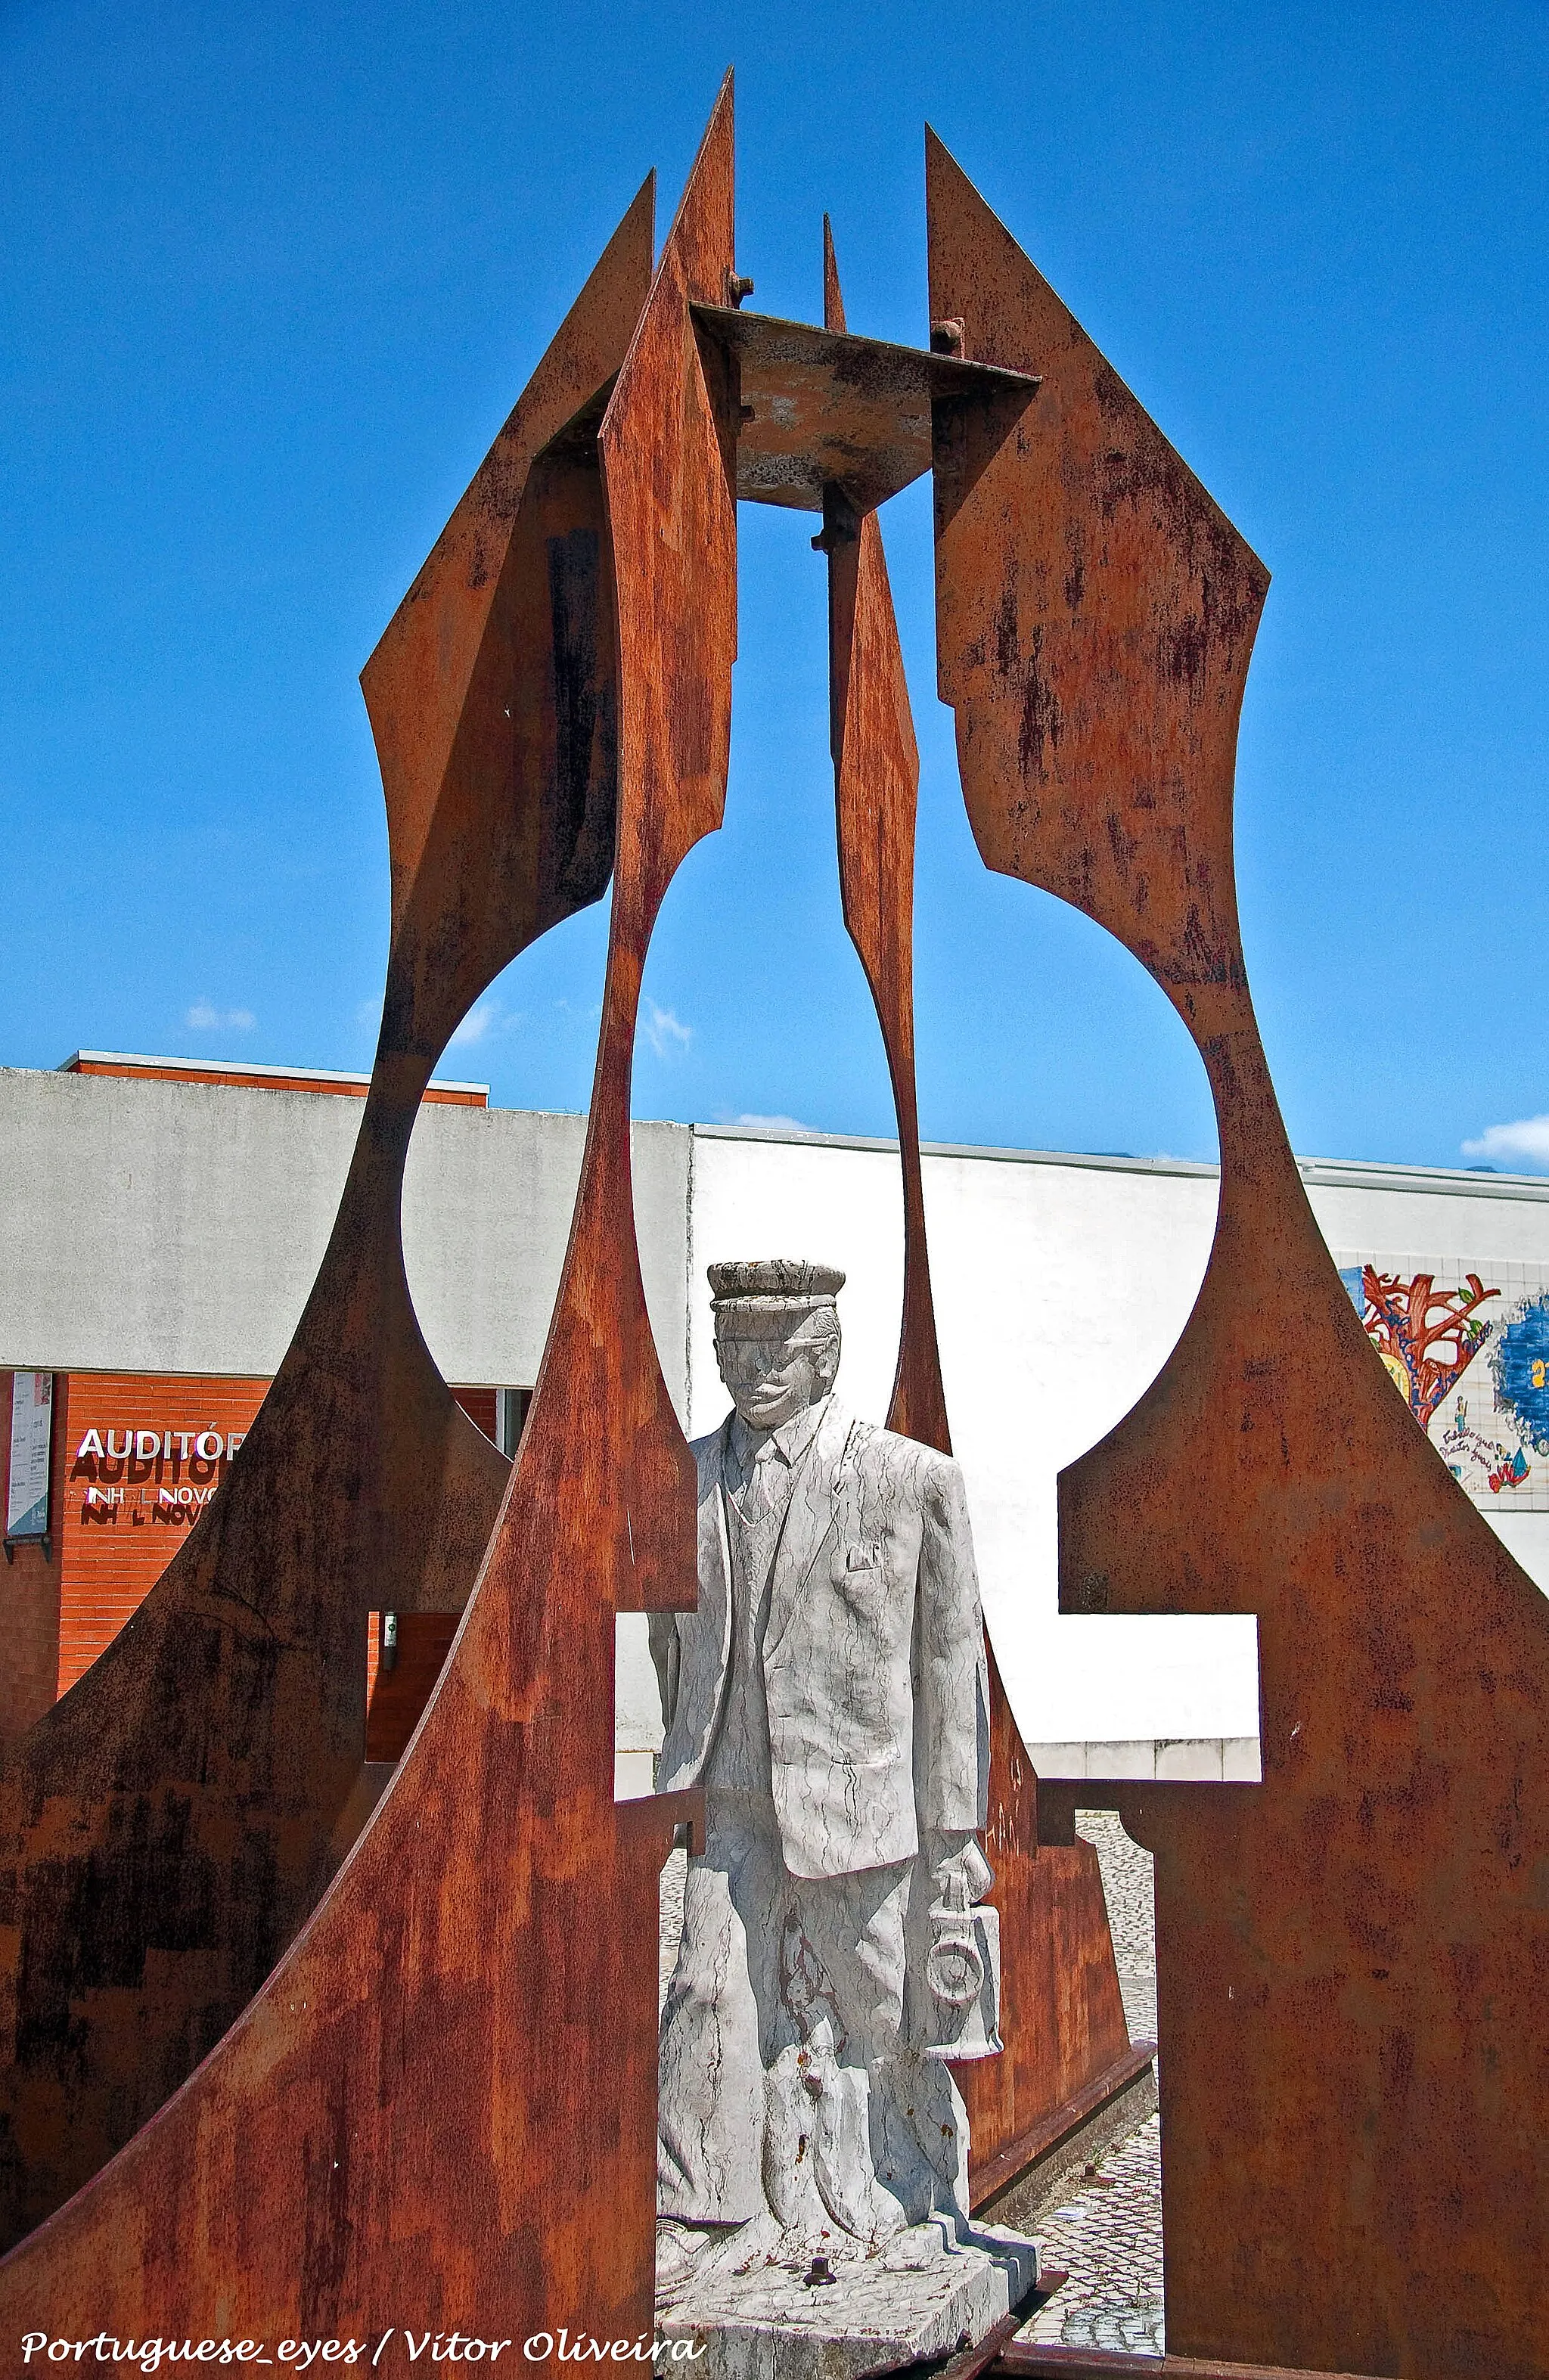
1467	1346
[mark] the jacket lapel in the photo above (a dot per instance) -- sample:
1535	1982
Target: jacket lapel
809	1522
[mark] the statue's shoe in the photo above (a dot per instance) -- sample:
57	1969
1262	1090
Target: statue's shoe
690	2255
680	2247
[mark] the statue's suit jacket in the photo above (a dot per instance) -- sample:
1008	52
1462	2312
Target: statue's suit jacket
873	1650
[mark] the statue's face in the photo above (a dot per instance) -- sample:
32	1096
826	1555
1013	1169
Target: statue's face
771	1381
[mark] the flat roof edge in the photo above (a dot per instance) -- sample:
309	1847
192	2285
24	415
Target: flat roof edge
1113	1161
1318	1172
241	1066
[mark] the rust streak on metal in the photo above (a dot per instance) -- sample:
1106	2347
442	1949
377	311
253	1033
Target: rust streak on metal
451	2074
1063	2015
166	1827
876	784
1021	2360
668	445
490	1911
1352	1958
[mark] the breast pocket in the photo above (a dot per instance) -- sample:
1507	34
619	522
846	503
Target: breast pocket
858	1572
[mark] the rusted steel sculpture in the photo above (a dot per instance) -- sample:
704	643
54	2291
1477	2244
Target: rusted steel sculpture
1022	2361
876	787
446	2083
1352	1957
450	2078
570	641
1068	2050
166	1827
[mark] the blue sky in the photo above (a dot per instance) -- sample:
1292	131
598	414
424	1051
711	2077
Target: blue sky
272	276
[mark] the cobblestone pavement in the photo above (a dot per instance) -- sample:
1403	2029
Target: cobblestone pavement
1127	1888
1108	2236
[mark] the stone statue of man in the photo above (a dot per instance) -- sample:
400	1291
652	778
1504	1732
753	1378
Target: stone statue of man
829	1695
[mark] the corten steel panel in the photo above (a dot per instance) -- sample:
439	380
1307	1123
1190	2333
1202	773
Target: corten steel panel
165	1828
669	446
1022	2361
1062	2019
1353	1958
821	409
440	2107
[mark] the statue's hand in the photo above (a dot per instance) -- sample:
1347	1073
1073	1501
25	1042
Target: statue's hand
956	1860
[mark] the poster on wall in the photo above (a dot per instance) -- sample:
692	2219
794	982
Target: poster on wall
31	1433
1467	1346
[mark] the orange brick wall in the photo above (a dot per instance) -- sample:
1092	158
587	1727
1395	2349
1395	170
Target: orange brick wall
479	1405
123	1516
119	1518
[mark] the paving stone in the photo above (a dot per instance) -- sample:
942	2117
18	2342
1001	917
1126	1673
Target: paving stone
1109	2237
1127	1888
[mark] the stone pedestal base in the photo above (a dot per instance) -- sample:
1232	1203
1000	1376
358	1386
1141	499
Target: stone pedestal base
925	2293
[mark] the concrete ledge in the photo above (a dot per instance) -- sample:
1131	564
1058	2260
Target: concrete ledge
1201	1759
634	1775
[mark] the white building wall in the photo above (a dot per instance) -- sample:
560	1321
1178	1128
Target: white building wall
178	1227
175	1227
1060	1289
1061	1286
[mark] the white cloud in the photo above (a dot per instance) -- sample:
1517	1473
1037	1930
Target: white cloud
772	1123
486	1018
474	1026
206	1017
666	1034
1524	1142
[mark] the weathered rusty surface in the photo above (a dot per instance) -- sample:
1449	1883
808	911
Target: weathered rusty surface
1352	1958
669	445
1022	2361
1063	2021
166	1829
876	790
1028	2147
445	2096
821	409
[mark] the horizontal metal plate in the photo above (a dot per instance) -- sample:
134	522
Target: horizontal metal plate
824	407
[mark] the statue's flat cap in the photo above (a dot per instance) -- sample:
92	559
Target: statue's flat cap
768	1281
